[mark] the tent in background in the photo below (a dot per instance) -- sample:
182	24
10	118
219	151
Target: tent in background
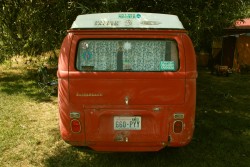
242	54
233	49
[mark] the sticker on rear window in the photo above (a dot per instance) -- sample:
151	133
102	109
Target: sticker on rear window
167	66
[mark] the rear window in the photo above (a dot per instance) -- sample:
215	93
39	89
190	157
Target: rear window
127	55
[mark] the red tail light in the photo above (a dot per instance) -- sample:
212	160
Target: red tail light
75	126
178	126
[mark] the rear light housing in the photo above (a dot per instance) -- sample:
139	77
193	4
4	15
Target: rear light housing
178	126
75	125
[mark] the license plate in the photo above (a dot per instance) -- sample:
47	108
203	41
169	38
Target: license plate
127	123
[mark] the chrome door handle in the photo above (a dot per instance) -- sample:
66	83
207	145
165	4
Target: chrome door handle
126	100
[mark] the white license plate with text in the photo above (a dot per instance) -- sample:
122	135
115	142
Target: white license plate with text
127	123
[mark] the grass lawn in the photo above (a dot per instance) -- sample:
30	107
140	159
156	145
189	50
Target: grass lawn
29	134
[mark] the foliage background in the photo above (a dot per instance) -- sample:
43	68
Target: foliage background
30	27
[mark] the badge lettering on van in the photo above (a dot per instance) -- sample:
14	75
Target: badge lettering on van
150	22
89	94
106	23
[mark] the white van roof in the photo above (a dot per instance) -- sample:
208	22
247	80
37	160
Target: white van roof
127	20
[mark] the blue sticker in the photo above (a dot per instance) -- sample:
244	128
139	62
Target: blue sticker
138	16
87	55
167	66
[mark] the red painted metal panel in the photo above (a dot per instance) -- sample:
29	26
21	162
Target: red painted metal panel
100	96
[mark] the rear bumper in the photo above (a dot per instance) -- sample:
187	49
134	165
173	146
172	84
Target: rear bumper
127	147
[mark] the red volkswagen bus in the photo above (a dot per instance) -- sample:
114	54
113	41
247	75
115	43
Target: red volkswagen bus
127	82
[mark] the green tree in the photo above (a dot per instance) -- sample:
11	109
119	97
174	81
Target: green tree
34	26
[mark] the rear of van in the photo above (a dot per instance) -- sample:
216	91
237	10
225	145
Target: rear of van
127	82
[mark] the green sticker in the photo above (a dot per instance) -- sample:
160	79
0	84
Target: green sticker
167	66
129	16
